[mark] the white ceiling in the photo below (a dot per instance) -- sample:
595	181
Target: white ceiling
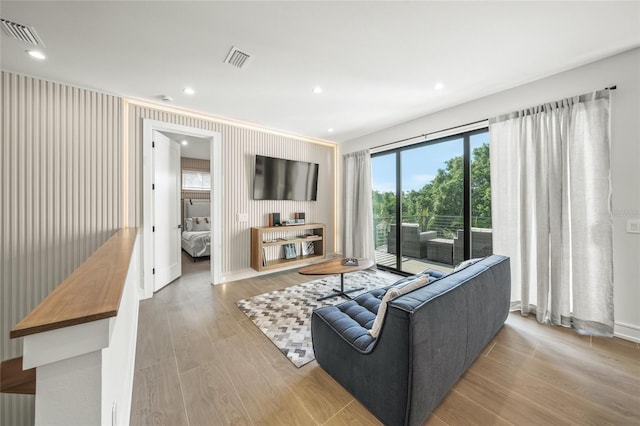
377	62
195	147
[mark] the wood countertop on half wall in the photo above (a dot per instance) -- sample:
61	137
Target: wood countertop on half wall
92	292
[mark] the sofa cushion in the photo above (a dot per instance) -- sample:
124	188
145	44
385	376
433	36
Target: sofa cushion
352	319
392	292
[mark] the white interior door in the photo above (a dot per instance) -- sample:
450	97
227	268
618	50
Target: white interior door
166	207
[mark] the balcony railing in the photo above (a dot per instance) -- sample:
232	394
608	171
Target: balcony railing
428	239
445	226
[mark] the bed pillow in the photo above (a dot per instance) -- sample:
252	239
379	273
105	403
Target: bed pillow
188	224
201	224
393	292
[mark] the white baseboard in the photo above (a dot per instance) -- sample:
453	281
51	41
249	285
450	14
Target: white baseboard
141	295
627	332
238	275
250	272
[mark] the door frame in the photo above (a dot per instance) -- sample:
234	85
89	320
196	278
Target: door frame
215	140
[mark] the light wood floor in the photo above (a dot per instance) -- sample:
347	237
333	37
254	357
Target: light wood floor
200	361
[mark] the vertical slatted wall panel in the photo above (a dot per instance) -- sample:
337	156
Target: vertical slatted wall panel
239	146
61	192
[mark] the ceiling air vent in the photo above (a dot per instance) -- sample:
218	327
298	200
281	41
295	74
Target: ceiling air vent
21	32
238	58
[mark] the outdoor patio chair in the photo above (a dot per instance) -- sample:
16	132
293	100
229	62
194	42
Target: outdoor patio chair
414	242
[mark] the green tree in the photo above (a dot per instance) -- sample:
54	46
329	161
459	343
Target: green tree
481	187
384	204
448	190
443	196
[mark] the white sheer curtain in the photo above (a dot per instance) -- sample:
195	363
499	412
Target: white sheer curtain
551	203
358	207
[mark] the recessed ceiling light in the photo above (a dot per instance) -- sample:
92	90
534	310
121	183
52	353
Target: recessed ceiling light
36	54
317	90
330	130
185	142
439	86
188	91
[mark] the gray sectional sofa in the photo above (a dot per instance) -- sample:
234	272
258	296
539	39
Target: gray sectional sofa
429	338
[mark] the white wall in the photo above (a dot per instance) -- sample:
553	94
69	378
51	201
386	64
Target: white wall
622	70
118	359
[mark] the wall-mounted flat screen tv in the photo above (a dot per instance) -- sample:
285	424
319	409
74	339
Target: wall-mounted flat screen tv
280	179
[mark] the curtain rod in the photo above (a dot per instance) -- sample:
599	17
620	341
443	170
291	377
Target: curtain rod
424	135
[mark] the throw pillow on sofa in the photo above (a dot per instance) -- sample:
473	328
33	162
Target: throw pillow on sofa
400	288
466	263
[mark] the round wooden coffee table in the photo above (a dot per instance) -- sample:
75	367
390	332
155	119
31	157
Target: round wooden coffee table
335	266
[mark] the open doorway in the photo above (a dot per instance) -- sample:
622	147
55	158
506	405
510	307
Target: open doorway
201	147
195	203
195	199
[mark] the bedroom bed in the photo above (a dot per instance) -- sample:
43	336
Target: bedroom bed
196	237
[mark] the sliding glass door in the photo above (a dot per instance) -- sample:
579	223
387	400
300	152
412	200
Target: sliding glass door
384	208
426	197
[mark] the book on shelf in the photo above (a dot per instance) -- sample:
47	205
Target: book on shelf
264	257
307	248
290	251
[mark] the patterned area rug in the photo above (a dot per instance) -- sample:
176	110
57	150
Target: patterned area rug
284	316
